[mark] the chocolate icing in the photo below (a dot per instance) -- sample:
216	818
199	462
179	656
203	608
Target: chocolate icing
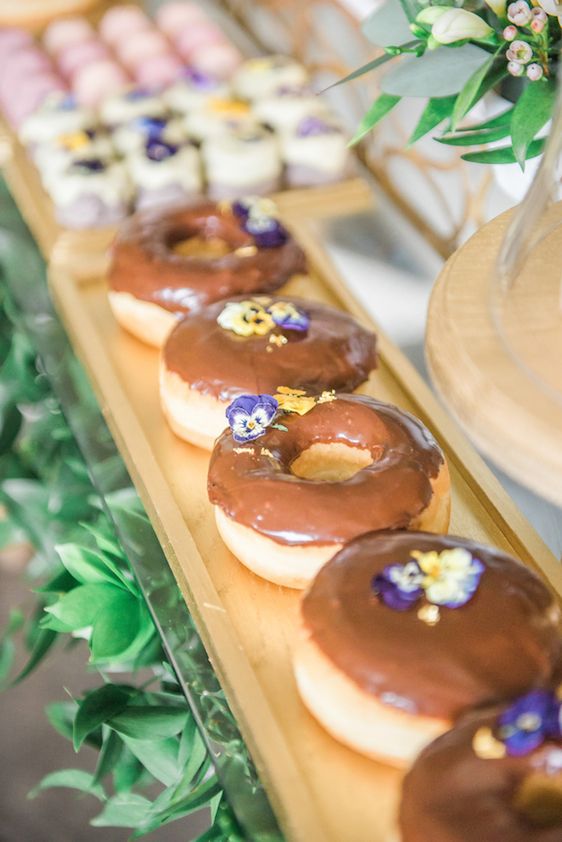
254	485
451	795
502	642
145	265
334	353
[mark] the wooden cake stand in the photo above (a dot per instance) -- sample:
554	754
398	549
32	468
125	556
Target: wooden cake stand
496	358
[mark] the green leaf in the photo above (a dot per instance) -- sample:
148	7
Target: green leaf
474	138
379	109
116	627
468	95
532	111
436	110
127	772
43	643
89	567
149	723
479	84
70	779
97	708
365	68
61	716
123	810
504	154
159	757
61	582
438	73
80	607
111	750
503	119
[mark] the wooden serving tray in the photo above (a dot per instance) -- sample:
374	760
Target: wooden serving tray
84	251
320	790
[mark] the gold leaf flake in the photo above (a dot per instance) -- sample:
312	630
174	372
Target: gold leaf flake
486	746
243	449
246	251
429	614
326	397
265	451
278	339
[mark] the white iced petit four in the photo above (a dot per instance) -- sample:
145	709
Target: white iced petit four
257	78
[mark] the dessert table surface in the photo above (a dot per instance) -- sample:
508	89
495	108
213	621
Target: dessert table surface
391	270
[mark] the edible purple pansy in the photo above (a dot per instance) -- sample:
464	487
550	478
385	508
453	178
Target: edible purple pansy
315	126
288	316
137	94
89	165
266	231
449	578
198	79
529	722
152	127
157	150
249	416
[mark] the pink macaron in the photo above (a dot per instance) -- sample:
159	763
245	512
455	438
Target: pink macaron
95	81
24	62
196	37
12	38
158	71
176	15
219	60
63	33
73	58
121	22
142	46
17	105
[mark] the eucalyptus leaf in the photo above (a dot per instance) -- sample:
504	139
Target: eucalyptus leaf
503	119
70	779
388	25
474	138
97	708
503	154
436	110
361	71
532	111
379	109
123	810
149	723
438	73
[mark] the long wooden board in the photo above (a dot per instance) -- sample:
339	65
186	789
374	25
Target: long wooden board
321	791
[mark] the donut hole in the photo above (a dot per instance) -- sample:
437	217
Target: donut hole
202	247
333	462
539	799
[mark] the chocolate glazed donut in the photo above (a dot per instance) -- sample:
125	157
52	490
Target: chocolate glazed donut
386	665
146	271
462	790
295	524
205	366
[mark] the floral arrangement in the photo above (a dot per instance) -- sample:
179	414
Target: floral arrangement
449	578
522	727
453	54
